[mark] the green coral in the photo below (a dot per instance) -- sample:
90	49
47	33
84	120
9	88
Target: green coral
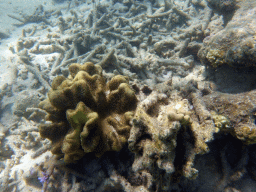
220	121
215	57
87	114
83	121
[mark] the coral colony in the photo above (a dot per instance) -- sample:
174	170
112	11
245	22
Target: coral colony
98	112
131	95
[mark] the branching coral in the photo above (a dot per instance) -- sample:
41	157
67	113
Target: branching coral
87	114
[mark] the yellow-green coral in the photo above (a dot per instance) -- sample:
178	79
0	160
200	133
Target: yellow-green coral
246	134
83	121
220	121
87	114
215	57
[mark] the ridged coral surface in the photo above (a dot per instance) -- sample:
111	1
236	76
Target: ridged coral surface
86	113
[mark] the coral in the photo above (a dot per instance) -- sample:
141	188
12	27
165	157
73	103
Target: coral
246	134
234	45
87	114
234	113
156	127
167	135
220	121
39	15
119	45
215	57
26	98
204	128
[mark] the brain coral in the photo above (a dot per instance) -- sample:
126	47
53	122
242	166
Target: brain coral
86	114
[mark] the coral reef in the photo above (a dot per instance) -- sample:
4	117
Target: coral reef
172	131
235	44
132	43
87	114
234	113
157	126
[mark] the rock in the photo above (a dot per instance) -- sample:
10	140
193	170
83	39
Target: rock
235	44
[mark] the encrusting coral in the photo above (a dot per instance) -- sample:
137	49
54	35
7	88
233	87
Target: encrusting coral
86	113
234	113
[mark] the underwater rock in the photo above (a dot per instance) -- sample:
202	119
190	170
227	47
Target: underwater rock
25	99
235	44
222	5
3	35
234	113
86	113
168	134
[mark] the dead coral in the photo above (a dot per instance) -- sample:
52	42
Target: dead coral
239	110
87	114
154	139
38	16
167	134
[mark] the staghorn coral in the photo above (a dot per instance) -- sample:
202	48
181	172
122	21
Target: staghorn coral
86	113
39	15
